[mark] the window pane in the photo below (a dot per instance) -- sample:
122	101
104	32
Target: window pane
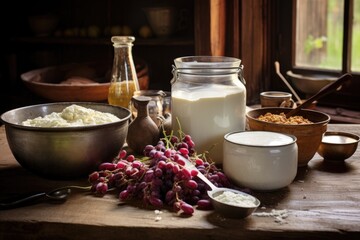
355	48
319	33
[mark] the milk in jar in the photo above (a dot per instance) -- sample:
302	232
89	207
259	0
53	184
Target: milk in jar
208	100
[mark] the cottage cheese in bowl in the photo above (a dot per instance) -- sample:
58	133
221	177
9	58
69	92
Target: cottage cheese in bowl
62	143
72	116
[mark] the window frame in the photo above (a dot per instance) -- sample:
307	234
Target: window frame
348	96
260	32
346	56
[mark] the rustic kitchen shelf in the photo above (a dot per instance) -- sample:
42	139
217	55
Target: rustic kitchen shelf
101	41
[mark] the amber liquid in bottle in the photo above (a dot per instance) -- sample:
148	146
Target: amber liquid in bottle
124	80
120	93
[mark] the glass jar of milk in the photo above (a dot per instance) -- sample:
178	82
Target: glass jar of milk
208	97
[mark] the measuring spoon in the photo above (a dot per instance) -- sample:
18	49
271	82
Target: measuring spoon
228	208
57	195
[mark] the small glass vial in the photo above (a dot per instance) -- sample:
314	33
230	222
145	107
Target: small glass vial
124	81
208	97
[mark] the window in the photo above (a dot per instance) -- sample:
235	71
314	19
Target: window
260	32
355	53
321	41
325	40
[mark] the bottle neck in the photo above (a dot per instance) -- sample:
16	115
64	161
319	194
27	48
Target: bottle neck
143	111
123	53
122	40
123	64
141	104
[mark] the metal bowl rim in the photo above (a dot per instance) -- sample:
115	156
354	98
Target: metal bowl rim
60	129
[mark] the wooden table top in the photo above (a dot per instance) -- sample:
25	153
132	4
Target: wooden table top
323	202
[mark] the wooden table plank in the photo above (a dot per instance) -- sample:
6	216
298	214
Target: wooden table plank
323	202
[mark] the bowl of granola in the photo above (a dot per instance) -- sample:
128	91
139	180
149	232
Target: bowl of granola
308	126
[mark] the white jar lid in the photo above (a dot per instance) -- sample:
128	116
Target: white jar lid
260	138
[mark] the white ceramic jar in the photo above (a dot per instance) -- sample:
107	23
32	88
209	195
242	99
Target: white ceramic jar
260	160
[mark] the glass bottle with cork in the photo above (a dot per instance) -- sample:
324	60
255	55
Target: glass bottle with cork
124	81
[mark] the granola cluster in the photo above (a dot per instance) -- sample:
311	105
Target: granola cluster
282	119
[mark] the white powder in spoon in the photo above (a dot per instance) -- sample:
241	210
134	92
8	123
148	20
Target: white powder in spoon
236	199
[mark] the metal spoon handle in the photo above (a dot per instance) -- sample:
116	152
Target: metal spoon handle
22	201
324	91
207	181
190	166
57	195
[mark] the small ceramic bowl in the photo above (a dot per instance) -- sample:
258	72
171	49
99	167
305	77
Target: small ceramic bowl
260	160
338	146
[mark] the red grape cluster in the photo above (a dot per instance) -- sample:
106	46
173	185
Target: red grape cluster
160	177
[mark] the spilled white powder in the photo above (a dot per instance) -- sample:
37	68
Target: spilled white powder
278	215
236	199
157	217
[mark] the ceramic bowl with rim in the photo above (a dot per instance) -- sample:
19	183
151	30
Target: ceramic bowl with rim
260	160
64	152
338	146
310	84
161	20
274	98
308	135
77	82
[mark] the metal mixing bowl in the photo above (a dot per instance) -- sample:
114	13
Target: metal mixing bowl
66	152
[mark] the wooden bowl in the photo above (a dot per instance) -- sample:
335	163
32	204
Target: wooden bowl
308	135
338	146
88	82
